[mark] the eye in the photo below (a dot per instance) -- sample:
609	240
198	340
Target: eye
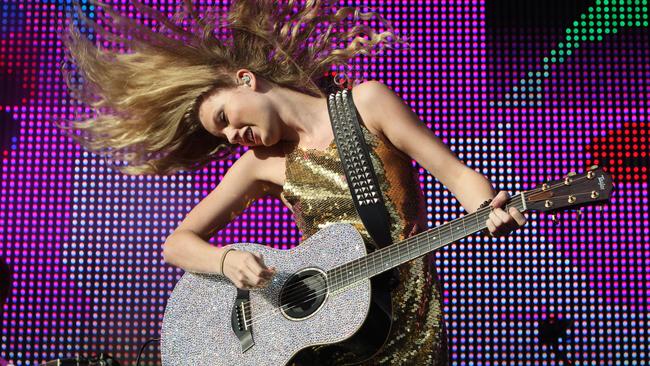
223	118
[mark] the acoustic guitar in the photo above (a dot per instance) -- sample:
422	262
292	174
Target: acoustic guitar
321	293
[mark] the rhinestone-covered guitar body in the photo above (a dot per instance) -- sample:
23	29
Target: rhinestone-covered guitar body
198	326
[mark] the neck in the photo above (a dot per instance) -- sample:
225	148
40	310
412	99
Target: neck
304	118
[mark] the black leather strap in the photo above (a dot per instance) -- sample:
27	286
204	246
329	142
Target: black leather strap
358	168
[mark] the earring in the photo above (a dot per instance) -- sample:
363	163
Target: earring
246	79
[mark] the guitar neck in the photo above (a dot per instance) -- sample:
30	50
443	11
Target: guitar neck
416	246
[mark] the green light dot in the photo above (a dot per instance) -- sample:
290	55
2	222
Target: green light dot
607	31
614	30
553	59
569	45
552	52
592	38
546	73
630	23
591	31
645	23
545	59
583	38
599	30
568	31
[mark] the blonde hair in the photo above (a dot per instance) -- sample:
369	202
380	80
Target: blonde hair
146	100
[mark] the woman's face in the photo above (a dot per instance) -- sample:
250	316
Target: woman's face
241	115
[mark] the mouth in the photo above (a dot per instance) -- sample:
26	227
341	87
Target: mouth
250	136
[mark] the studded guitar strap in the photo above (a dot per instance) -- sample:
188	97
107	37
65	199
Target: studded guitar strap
358	168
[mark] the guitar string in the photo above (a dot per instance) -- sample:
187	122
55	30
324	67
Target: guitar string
313	295
316	294
320	292
294	289
298	285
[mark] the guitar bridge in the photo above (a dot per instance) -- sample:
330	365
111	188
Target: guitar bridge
241	318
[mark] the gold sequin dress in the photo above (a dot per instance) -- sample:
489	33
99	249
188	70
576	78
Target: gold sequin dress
317	192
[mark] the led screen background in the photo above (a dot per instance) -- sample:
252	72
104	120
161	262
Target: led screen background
521	91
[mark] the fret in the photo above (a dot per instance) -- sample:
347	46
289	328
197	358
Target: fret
390	257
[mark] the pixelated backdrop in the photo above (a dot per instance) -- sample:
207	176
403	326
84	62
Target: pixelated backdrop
522	91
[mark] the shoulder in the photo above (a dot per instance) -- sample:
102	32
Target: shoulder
368	95
377	104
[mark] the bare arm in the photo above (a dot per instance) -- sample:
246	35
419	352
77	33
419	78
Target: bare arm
392	118
389	116
187	246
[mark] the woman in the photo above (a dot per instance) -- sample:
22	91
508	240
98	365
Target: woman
182	97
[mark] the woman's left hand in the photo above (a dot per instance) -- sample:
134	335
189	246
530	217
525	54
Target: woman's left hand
501	222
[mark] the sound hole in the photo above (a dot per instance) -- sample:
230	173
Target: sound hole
303	294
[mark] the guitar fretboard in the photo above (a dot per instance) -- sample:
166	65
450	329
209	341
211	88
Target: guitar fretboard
416	246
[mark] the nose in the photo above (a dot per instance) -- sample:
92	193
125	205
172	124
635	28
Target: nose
233	136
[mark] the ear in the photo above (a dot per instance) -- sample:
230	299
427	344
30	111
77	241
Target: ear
246	78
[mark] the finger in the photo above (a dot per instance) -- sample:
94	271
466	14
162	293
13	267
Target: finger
518	216
499	199
491	228
505	218
496	220
260	260
268	272
252	280
255	267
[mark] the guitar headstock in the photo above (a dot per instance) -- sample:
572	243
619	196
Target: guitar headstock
572	191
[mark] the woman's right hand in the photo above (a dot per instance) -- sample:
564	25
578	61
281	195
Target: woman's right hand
247	270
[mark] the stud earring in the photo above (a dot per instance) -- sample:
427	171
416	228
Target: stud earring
246	79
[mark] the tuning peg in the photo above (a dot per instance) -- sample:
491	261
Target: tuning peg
571	174
593	167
